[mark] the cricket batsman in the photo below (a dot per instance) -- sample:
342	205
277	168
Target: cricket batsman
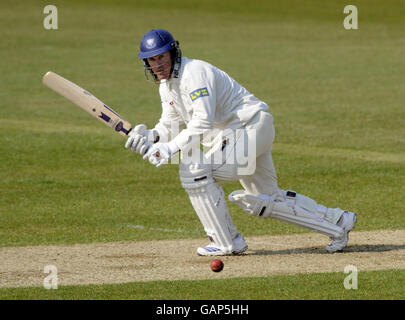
202	104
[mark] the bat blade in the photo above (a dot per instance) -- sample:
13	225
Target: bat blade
87	102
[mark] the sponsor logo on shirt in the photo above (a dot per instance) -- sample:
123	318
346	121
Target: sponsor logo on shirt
203	92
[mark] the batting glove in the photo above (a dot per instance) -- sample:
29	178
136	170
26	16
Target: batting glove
140	139
160	153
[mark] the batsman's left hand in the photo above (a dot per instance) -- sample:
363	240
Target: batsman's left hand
160	153
140	139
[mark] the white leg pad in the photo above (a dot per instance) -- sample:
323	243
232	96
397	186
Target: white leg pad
208	201
293	208
331	215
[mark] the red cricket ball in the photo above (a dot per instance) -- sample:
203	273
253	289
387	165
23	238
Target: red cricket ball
217	265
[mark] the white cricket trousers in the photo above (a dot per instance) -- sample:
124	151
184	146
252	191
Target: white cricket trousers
262	178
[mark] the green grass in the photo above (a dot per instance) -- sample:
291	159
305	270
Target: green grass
65	178
375	285
337	97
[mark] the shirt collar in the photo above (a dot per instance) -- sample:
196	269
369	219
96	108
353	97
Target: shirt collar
177	80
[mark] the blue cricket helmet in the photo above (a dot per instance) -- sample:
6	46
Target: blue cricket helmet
154	42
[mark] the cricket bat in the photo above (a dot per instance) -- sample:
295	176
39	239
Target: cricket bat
87	102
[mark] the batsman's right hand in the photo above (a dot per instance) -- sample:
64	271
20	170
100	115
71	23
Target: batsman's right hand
140	139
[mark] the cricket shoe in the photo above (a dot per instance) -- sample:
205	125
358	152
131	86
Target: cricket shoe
347	222
239	245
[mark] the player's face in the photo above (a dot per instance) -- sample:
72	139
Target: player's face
161	65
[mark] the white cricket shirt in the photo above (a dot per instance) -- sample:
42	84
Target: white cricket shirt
203	98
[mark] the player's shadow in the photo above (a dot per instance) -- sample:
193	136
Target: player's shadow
322	250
